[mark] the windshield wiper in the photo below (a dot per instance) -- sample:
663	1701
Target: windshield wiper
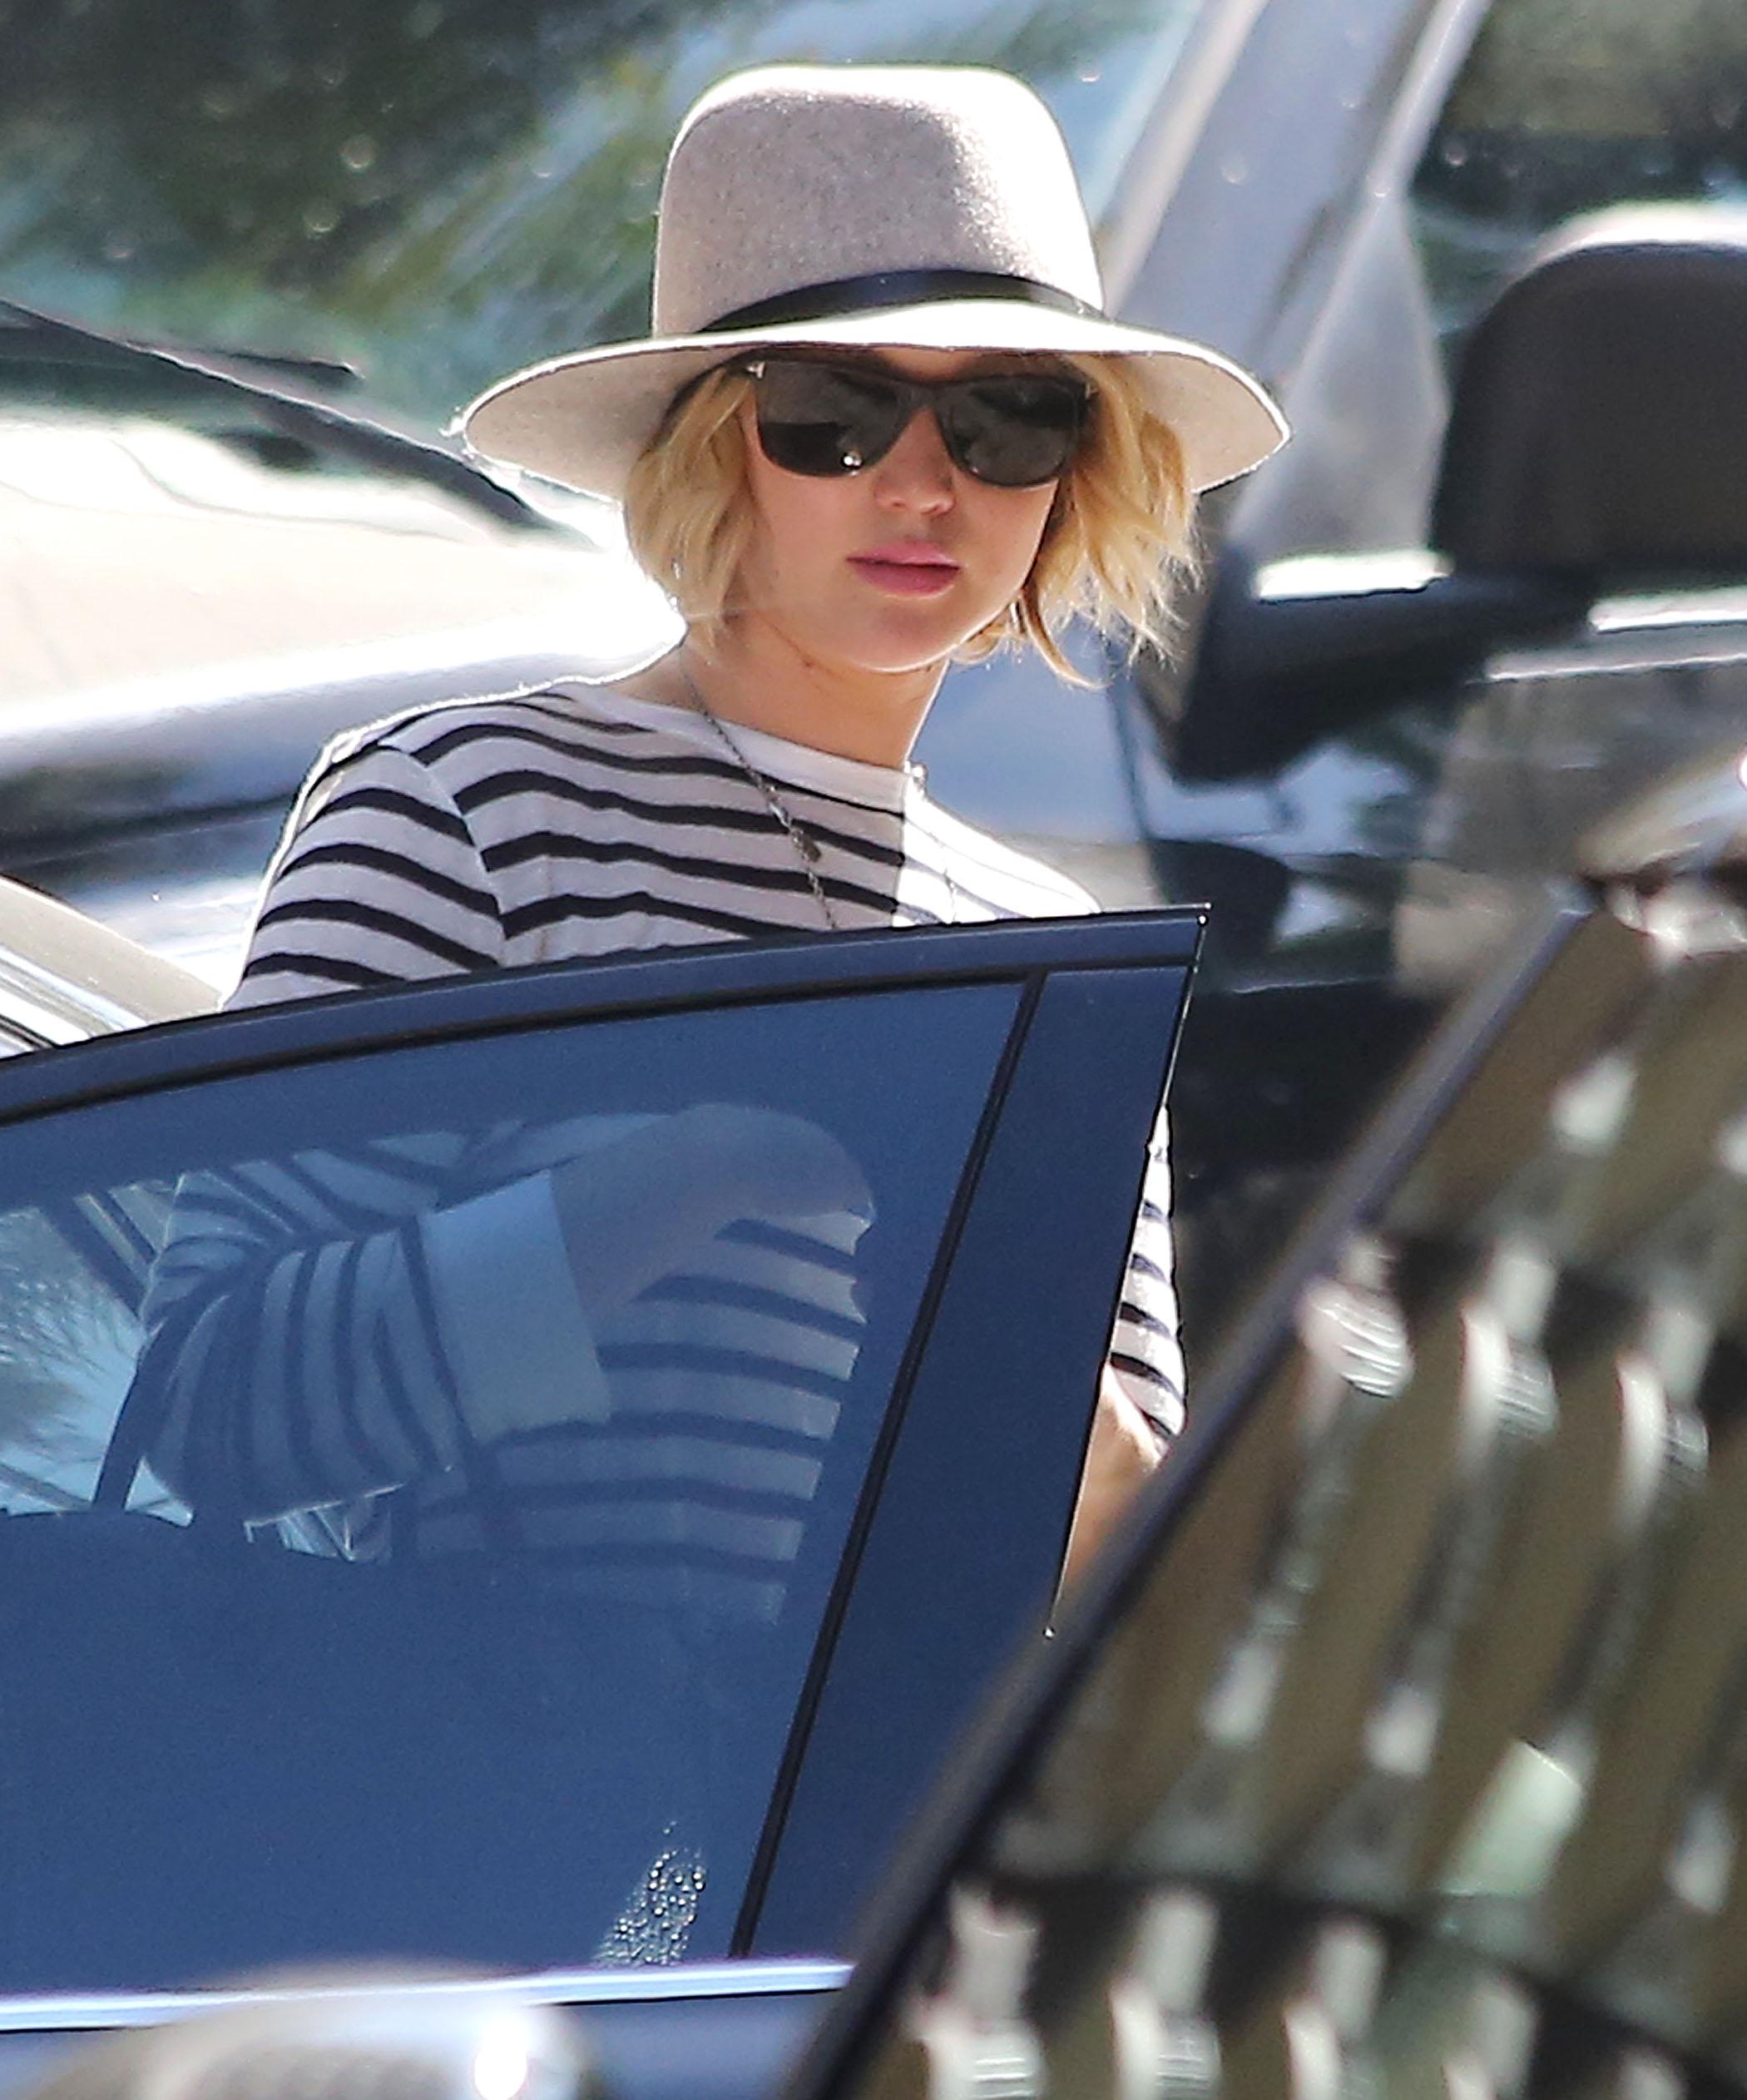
297	415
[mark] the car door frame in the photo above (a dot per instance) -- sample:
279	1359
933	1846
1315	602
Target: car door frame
956	1547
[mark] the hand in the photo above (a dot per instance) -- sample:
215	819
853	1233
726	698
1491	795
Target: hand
767	1164
1122	1455
641	1207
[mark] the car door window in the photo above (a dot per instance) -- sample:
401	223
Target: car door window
423	1475
1564	106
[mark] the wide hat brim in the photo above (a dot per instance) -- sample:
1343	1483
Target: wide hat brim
582	419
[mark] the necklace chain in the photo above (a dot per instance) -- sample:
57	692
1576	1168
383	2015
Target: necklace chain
806	849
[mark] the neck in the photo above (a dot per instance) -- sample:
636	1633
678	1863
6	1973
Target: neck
757	677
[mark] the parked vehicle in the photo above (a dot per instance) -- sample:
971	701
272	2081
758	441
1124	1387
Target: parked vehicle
1399	1745
1396	1748
1331	190
236	1741
64	979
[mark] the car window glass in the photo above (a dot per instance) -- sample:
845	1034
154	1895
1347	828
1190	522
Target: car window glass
502	1413
1564	106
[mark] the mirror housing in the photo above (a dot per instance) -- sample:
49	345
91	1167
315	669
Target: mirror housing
1597	438
1281	666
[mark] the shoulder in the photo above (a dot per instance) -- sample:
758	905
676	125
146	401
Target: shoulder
429	733
555	732
1012	882
407	785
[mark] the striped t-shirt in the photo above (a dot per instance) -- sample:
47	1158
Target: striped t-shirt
571	822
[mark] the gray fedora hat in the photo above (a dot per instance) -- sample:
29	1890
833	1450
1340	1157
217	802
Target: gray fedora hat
927	207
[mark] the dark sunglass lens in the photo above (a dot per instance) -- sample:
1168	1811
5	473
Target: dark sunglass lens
1014	432
820	419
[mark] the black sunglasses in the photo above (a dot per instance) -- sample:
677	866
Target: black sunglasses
1010	429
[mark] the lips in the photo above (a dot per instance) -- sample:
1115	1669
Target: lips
906	568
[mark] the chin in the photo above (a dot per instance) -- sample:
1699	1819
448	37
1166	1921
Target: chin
890	639
919	646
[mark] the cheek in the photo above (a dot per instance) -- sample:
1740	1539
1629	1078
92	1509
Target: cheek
797	520
1015	523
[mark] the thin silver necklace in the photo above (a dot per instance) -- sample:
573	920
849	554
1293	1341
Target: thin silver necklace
806	849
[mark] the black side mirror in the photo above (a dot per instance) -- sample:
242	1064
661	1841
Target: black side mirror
1597	436
1285	661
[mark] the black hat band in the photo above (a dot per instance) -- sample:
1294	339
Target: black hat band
896	287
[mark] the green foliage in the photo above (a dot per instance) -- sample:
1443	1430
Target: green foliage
433	189
1675	71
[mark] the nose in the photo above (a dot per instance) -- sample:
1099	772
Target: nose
917	473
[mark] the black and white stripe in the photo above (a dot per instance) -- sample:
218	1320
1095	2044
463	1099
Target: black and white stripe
533	828
545	826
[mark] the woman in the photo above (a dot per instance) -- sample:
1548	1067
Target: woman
880	426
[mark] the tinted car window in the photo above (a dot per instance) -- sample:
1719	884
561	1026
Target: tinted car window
1565	107
448	1585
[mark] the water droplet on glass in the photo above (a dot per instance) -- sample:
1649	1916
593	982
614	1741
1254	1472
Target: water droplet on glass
1235	168
359	152
1455	153
656	1922
119	247
1092	75
219	102
318	218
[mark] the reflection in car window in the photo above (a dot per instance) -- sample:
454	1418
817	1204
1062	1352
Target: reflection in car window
1565	107
487	1474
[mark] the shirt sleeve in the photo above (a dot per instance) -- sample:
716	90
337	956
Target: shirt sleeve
294	1356
1145	1351
300	1347
323	1329
506	1304
377	880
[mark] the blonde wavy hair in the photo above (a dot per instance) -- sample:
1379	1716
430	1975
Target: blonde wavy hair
1115	546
